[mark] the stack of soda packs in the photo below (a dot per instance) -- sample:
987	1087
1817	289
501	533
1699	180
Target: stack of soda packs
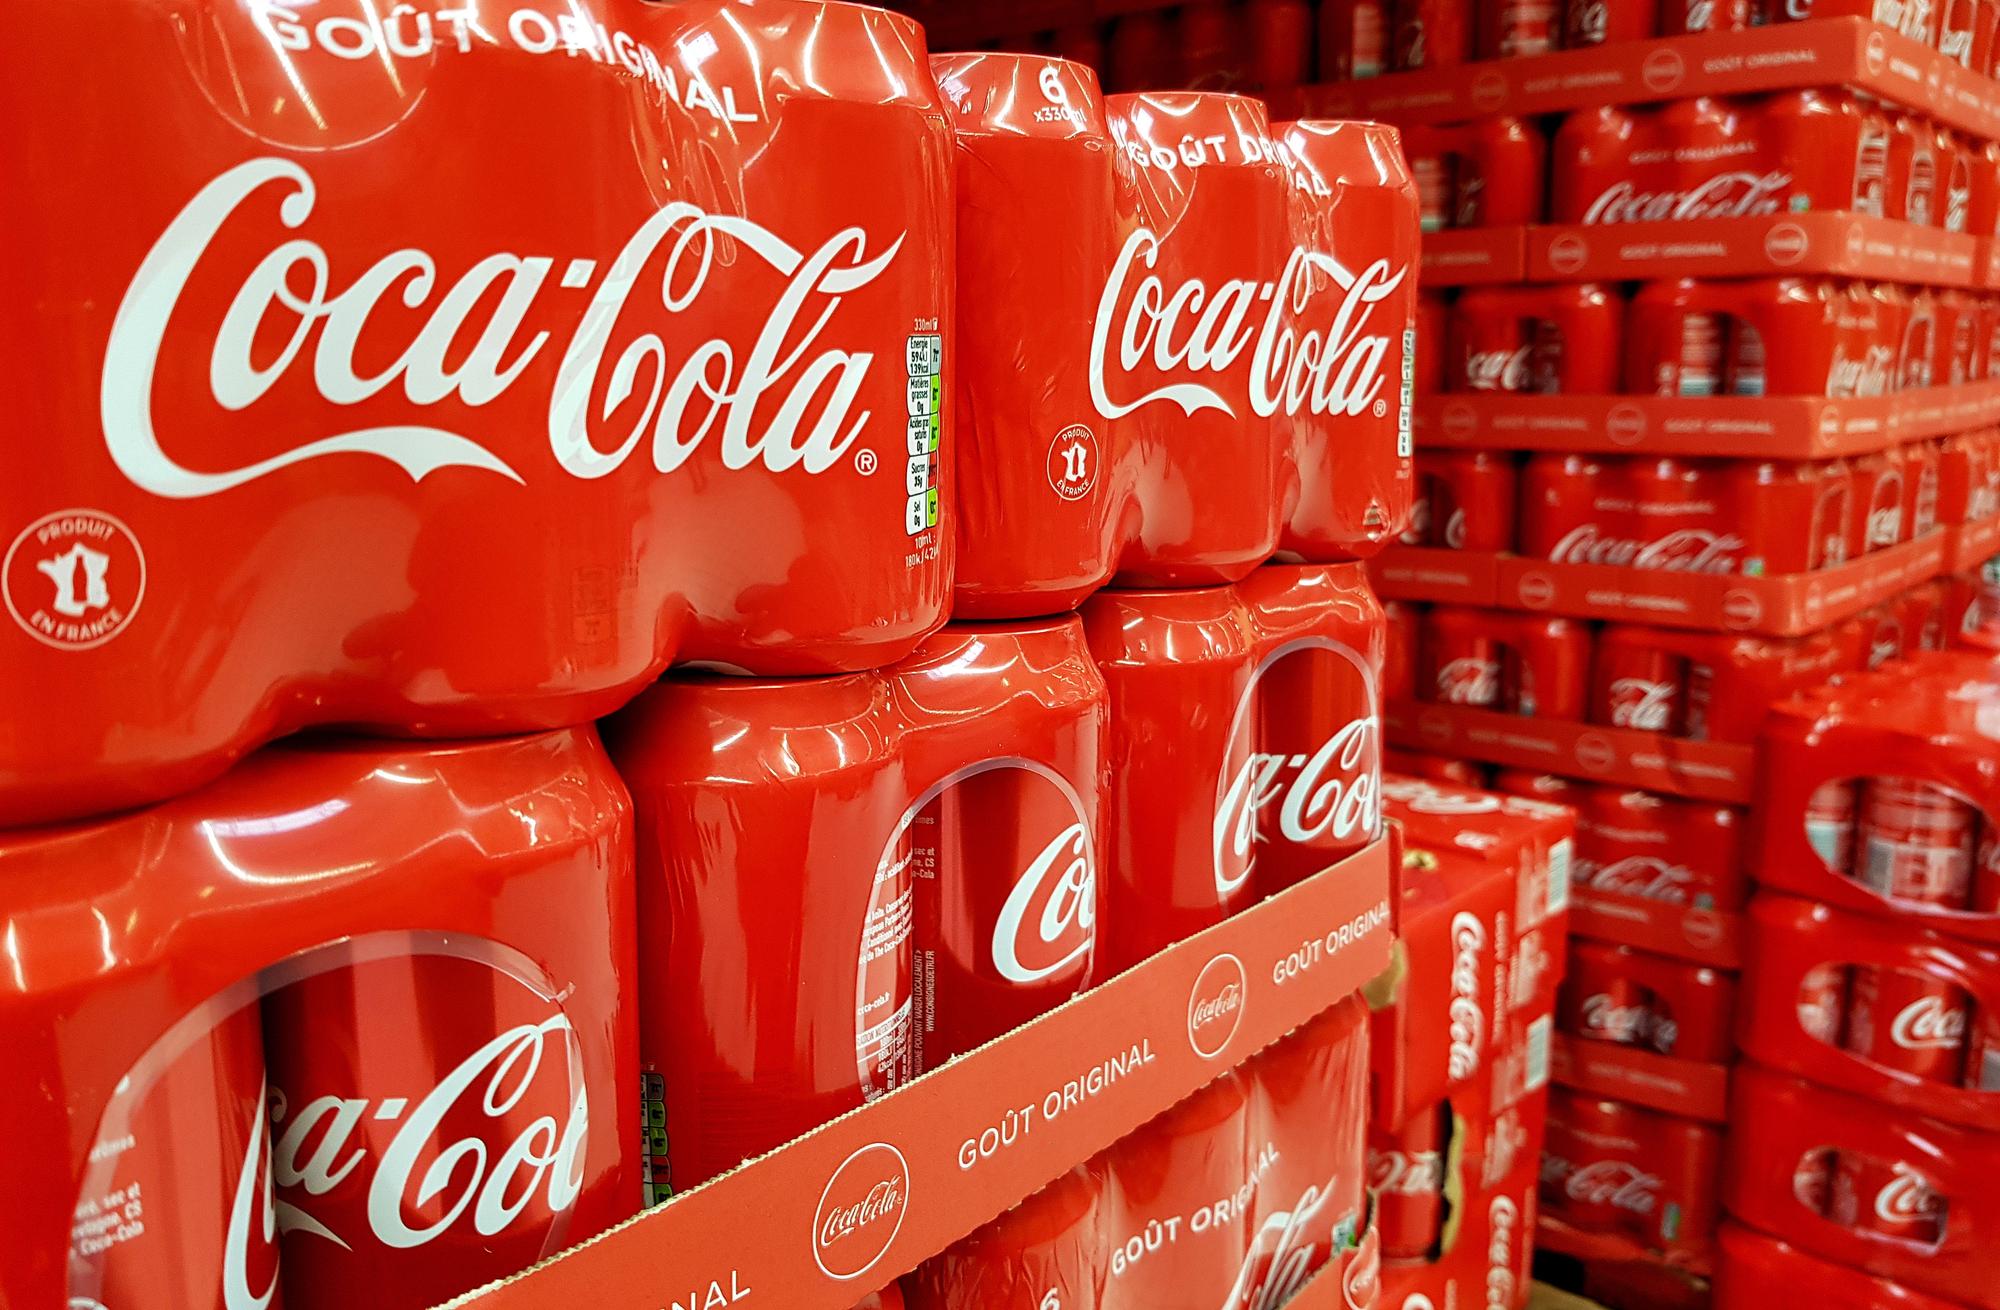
969	603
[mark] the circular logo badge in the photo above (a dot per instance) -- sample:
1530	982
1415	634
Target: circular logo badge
1489	91
1702	928
1073	462
1786	244
1595	753
1537	591
1876	52
1625	425
1461	422
1215	1006
861	1211
1663	70
74	579
1567	253
1741	609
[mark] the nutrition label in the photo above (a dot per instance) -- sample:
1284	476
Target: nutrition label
926	359
653	1176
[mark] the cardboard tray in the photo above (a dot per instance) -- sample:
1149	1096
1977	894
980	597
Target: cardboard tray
1740	427
1711	937
1475	256
1687	1088
1821	52
1783	606
1779	245
1552	1234
1106	1063
1715	771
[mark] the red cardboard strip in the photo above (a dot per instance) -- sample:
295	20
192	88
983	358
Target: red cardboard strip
1625	1073
1967	546
1705	770
820	1223
1822	52
1475	256
1783	245
1424	573
1741	427
1710	937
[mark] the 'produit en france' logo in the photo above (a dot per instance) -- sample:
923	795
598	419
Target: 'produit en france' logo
74	579
1215	1006
861	1211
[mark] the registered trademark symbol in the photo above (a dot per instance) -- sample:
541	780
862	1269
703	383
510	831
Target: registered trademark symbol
1381	409
865	462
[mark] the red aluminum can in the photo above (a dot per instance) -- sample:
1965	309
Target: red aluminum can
1561	340
1539	786
1875	516
1036	529
1982	1056
1600	1000
1463	654
1407	1171
1402	622
1908	1022
1437	768
1955	165
1432	34
1918	842
416	1068
1211	46
1831	821
1685	17
1679	350
1433	155
1519	29
1609	22
1546	668
184	1209
1792	516
1469	498
1052	1245
1278	43
1812	1180
1660	848
1642	688
1958	38
887	1298
1501	174
1080	43
1353	39
1894	1200
1588	1173
1986	878
1433	315
1915	184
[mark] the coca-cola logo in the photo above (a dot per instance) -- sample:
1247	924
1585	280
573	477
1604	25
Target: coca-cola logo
1616	1183
1870	375
1687	550
1468	681
1049	919
861	1211
1328	795
1907	1198
1607	1021
1498	370
1406	1173
787	399
1647	877
1195	330
1215	1005
1503	1218
1642	705
1727	195
1466	1016
1281	1259
318	1145
1928	1024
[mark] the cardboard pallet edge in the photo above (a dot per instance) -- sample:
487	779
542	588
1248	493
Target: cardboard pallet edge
1687	1089
701	1238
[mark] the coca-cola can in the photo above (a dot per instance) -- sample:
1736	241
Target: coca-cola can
1831	821
1144	53
1893	1199
1588	1176
1470	495
1908	1022
1519	29
1601	1002
1917	842
1462	660
388	1075
1812	1180
1431	34
1277	43
1353	39
1407	1170
1608	22
1639	687
1686	17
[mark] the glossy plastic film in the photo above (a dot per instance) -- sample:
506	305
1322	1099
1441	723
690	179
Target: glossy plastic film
451	371
349	1023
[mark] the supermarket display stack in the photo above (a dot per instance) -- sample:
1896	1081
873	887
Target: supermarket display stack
1864	1132
1707	392
630	682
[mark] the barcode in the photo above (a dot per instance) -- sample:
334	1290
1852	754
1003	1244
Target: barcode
1559	860
1540	1033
